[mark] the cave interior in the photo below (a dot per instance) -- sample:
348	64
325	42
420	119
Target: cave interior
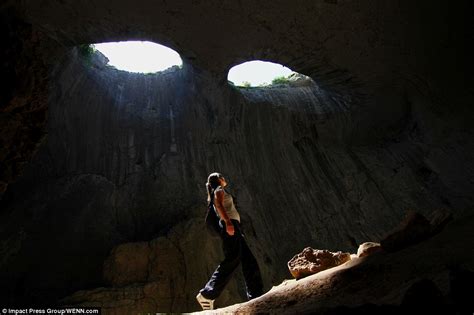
102	171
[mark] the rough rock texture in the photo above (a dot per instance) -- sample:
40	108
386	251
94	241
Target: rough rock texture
368	248
154	275
384	128
429	277
311	261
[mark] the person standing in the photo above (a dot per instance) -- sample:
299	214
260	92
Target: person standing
234	246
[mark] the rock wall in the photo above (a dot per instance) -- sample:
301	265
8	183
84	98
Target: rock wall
327	165
127	156
23	101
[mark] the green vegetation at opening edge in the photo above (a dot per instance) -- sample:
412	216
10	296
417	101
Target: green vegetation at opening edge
275	81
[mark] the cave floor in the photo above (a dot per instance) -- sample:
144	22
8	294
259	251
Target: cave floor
419	276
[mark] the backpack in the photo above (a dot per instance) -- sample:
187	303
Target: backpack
212	219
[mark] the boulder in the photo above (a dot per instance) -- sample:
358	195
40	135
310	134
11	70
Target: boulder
368	248
311	261
127	264
143	262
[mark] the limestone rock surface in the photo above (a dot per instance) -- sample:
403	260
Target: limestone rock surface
158	275
368	248
383	284
311	261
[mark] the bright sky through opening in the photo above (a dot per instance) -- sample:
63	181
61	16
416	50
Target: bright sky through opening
138	56
257	72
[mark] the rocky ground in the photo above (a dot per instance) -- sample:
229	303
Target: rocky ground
429	273
431	277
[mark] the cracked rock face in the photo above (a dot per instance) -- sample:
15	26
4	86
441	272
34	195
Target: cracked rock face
382	127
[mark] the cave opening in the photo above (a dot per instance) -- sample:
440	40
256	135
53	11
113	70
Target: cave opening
138	56
259	73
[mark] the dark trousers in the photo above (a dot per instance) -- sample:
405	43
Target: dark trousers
235	251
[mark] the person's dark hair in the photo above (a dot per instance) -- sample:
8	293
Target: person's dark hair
212	184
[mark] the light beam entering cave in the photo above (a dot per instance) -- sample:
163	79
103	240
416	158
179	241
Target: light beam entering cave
139	56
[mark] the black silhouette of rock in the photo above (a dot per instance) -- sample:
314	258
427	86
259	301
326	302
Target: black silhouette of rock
413	229
439	219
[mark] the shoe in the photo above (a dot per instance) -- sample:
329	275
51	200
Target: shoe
206	304
256	295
